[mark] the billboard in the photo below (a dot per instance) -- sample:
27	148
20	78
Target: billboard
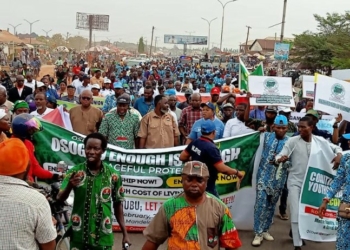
98	22
281	52
180	39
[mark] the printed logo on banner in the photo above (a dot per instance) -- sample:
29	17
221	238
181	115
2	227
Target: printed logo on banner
337	93
76	222
271	86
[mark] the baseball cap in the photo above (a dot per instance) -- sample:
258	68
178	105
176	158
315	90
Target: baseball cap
271	109
226	89
196	168
281	120
188	92
228	105
124	98
95	86
40	84
106	80
209	105
170	92
52	99
346	136
207	126
14	157
313	112
117	85
215	91
284	109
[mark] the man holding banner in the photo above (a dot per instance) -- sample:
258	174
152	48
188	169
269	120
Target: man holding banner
298	150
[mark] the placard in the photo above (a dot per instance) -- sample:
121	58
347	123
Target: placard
332	96
308	86
275	91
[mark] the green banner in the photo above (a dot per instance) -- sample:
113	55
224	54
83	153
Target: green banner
97	102
149	176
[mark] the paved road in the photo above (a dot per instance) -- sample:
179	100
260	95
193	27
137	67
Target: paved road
279	230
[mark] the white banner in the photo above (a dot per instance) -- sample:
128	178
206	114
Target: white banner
332	96
341	74
308	86
317	180
271	91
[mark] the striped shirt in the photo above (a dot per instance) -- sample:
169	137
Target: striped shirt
25	216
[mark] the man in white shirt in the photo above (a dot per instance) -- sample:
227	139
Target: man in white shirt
236	126
85	85
29	81
78	82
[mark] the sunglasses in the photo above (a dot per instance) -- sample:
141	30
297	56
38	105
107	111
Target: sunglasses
86	98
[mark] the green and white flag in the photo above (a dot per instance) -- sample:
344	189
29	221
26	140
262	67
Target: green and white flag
243	76
259	71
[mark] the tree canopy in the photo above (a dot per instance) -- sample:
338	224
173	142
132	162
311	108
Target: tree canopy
329	46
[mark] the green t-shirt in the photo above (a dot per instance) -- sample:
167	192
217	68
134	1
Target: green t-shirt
91	219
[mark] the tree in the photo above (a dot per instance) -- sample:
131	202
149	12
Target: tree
329	47
77	42
141	48
57	40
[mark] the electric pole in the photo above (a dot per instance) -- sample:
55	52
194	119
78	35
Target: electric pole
47	33
31	24
14	28
246	41
67	36
279	70
150	50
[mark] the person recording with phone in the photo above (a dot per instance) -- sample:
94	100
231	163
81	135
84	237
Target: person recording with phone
96	186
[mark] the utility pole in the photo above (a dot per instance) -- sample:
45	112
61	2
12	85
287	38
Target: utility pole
223	16
31	24
155	44
14	28
94	40
91	19
279	69
209	23
47	33
150	50
67	36
246	41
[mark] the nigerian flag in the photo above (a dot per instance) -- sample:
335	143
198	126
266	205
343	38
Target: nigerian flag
259	71
243	76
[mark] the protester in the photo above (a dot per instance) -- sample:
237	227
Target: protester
106	89
4	124
208	112
297	150
228	112
121	127
197	212
95	89
236	126
270	180
158	129
111	100
96	185
41	105
173	108
63	89
4	103
70	97
286	111
19	92
186	103
51	102
84	86
25	217
258	113
204	150
20	107
145	104
340	182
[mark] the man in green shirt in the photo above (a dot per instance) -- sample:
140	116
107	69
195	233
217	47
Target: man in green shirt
120	127
96	185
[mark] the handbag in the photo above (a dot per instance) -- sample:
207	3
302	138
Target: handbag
344	210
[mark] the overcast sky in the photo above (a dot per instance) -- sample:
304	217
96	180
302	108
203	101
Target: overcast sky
130	19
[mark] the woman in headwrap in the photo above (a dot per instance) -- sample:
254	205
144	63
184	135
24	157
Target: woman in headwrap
4	124
20	107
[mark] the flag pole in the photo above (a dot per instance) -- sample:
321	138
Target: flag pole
239	73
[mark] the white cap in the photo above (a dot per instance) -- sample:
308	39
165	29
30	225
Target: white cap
40	84
106	80
284	109
95	86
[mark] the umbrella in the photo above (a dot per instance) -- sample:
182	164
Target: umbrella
62	49
260	57
124	52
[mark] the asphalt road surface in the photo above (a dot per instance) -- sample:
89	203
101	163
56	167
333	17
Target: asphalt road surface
279	231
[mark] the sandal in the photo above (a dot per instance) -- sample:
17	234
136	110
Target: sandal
284	217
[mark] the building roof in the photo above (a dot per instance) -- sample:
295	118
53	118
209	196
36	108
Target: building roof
264	44
34	41
250	42
7	37
278	38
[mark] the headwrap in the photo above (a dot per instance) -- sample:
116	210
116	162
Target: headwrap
2	113
14	157
20	104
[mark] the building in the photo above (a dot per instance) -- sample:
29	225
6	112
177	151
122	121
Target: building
262	46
